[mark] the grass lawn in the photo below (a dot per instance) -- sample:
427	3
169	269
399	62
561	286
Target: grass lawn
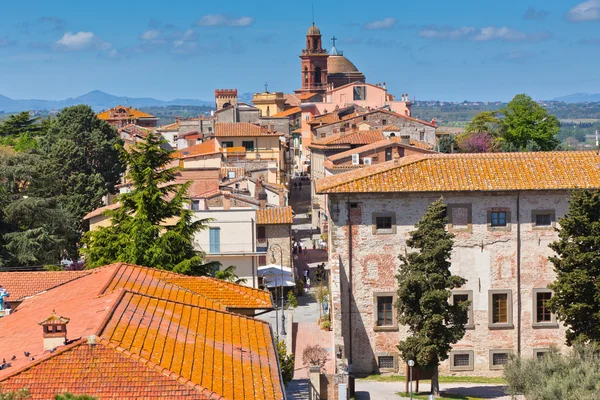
443	379
425	396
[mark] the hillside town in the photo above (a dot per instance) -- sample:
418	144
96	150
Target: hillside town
290	248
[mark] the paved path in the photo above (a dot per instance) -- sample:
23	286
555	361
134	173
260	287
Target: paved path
373	390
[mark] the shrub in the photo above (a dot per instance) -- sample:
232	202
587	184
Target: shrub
292	300
286	362
574	376
299	287
326	324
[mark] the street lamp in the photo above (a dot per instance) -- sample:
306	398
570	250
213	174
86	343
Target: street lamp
273	261
276	312
411	364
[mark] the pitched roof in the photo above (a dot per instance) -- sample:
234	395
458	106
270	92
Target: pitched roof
274	216
201	149
24	284
356	137
115	374
98	211
230	129
394	141
156	339
472	172
287	113
292	99
306	96
378	110
123	112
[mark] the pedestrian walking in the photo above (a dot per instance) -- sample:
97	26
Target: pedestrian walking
305	273
307	282
300	247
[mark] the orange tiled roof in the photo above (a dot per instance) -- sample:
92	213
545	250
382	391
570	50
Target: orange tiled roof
127	112
287	113
394	141
200	149
381	110
98	211
468	172
306	96
326	119
144	323
274	216
112	373
24	284
356	137
292	99
230	129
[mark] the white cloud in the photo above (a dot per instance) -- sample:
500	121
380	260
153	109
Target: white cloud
586	11
76	41
481	34
224	20
150	34
386	23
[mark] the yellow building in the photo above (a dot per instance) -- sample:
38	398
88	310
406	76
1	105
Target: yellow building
268	103
246	142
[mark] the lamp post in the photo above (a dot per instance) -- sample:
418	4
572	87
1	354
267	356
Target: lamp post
276	312
273	261
411	364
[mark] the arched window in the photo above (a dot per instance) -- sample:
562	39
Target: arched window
318	75
392	134
315	44
306	76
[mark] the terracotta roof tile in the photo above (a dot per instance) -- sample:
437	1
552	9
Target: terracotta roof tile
98	211
394	141
274	216
129	112
292	99
241	129
100	371
287	113
24	284
381	110
223	352
468	172
356	137
200	149
306	96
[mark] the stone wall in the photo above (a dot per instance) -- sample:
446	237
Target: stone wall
280	235
486	258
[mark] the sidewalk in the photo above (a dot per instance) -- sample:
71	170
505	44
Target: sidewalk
371	390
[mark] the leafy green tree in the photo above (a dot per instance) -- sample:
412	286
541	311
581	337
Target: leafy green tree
80	159
525	121
486	122
576	299
424	288
574	376
446	144
151	227
228	274
22	394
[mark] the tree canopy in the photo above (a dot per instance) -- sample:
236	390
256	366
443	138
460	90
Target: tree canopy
151	227
424	289
576	299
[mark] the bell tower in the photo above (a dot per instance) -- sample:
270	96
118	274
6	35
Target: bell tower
314	63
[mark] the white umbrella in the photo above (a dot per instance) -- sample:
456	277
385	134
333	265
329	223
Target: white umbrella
274	269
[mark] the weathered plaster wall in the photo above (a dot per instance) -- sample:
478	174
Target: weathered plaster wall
487	259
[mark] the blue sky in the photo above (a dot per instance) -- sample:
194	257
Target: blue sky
446	49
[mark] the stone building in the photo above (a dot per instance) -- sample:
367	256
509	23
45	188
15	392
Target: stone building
121	116
225	98
269	103
502	209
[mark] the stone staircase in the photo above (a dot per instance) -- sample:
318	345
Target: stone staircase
297	389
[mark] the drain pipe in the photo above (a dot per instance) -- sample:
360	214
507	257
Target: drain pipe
518	274
349	286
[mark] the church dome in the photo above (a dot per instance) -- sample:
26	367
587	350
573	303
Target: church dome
313	30
340	65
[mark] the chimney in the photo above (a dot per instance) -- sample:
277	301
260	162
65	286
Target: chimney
54	331
405	139
226	201
258	188
281	197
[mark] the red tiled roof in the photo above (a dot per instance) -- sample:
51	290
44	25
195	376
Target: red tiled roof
382	110
394	141
200	149
287	113
156	339
274	216
356	137
129	112
306	96
111	373
24	284
241	129
292	99
98	211
469	172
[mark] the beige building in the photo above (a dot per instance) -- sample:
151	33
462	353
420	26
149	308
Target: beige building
268	103
502	209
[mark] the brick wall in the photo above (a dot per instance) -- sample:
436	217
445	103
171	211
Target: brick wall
280	235
486	258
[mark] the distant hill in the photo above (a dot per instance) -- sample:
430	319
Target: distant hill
96	99
579	98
